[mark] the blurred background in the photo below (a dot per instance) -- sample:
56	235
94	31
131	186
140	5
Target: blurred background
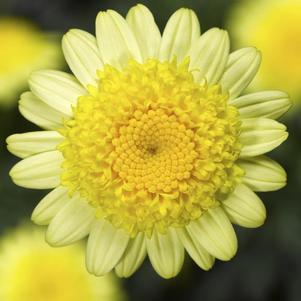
267	266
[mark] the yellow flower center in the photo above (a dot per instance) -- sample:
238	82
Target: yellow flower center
150	147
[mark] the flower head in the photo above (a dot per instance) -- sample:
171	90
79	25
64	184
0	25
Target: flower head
33	271
149	149
23	49
274	27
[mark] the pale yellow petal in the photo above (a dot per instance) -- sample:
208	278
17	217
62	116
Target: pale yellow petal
166	253
72	223
116	41
215	233
209	55
182	29
39	113
241	68
245	208
41	171
132	257
106	245
261	135
31	143
196	251
82	55
146	31
268	104
50	205
57	89
263	174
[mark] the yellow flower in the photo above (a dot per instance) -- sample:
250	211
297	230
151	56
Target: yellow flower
33	271
149	149
274	27
23	49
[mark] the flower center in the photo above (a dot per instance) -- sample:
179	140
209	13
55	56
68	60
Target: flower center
155	151
151	148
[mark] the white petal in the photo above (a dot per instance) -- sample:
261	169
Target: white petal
209	55
132	257
241	68
268	104
166	253
261	135
41	171
106	246
245	208
182	29
82	55
215	233
50	205
31	143
196	251
263	174
146	31
57	89
39	113
72	223
116	41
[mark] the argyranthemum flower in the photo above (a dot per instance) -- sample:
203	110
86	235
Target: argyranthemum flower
33	271
274	27
148	147
24	48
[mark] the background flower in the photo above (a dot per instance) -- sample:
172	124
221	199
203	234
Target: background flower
274	27
24	48
33	271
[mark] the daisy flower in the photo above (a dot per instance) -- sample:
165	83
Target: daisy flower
24	48
274	27
149	149
33	271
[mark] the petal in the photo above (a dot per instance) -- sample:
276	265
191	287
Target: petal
245	208
209	55
132	257
181	30
41	171
50	205
116	41
268	104
72	223
241	68
31	143
39	113
263	174
215	233
200	256
57	89
106	246
261	135
145	30
166	253
82	55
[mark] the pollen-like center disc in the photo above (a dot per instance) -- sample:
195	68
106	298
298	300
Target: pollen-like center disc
155	151
150	147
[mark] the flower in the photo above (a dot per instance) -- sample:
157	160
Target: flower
33	271
23	49
274	27
149	149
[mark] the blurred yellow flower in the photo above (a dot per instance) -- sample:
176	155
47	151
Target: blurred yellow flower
23	49
30	270
274	26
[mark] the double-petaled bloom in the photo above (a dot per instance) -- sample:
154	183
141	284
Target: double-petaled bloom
149	148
